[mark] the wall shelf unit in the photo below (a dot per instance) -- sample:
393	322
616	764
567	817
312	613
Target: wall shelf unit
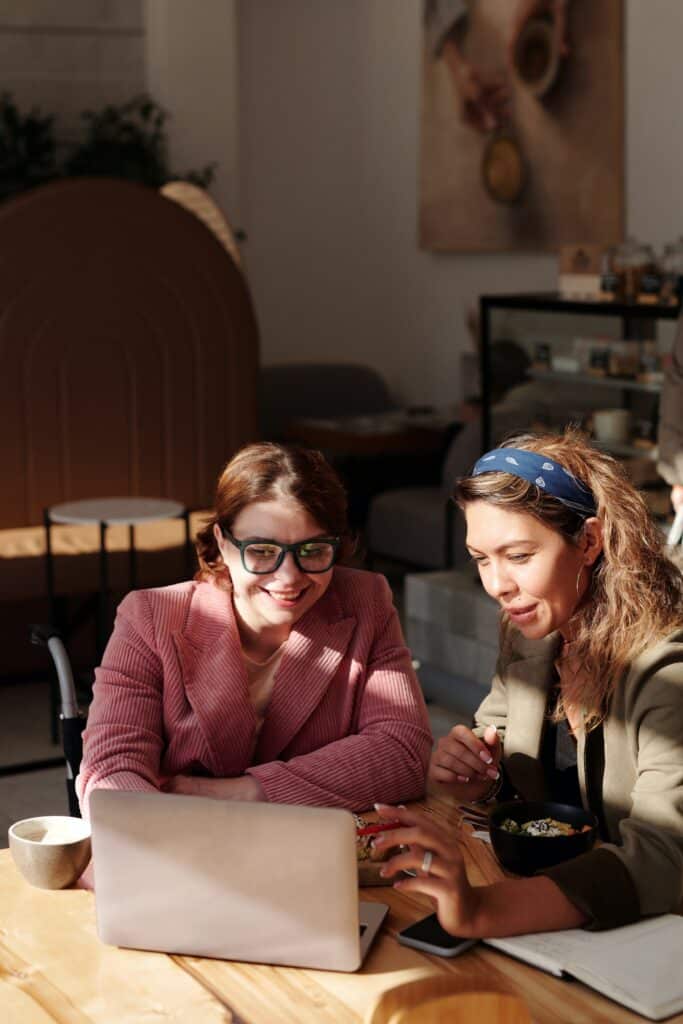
638	322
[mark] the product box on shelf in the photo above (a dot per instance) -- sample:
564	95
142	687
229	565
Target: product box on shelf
579	272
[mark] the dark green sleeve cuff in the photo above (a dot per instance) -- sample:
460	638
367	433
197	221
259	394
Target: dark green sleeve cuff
600	885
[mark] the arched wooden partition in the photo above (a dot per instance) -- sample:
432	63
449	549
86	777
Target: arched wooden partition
128	349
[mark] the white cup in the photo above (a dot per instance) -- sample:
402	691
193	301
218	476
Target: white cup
51	852
612	425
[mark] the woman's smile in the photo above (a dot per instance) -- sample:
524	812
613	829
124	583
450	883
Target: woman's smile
521	615
285	598
274	601
533	573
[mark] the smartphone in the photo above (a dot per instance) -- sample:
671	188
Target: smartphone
429	936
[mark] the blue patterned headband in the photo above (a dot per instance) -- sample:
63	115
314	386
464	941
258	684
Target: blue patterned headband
538	469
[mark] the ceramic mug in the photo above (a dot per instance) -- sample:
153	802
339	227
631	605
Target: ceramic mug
51	852
612	425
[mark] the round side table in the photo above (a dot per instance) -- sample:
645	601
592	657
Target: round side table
104	512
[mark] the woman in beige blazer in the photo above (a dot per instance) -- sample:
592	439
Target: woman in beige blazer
587	702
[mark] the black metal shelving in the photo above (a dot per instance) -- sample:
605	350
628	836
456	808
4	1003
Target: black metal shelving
633	318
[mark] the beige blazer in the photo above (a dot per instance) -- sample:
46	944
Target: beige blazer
638	795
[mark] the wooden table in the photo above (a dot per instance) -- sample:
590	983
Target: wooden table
53	968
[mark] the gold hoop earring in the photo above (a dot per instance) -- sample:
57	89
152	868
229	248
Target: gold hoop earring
577	580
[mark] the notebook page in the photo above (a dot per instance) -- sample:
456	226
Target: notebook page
553	951
547	950
639	964
641	969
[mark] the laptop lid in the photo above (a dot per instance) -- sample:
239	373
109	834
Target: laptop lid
260	882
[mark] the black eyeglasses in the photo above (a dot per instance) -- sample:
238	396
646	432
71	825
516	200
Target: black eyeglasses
261	556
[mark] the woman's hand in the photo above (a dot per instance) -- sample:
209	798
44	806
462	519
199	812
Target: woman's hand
245	787
465	762
483	98
512	906
87	879
456	901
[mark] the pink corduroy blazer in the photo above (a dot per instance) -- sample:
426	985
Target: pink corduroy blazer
346	725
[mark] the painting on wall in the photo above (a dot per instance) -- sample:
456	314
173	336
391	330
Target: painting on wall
522	124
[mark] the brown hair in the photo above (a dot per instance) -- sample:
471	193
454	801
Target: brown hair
635	594
267	472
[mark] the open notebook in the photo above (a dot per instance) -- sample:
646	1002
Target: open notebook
640	965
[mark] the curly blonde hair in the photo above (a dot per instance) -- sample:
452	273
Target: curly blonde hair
635	594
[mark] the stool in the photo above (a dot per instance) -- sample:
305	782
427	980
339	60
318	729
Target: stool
104	512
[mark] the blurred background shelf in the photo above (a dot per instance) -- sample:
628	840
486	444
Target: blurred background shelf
617	383
552	398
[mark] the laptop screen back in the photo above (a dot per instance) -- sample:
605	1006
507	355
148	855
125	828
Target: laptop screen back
267	883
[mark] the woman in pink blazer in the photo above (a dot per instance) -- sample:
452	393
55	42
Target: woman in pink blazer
275	674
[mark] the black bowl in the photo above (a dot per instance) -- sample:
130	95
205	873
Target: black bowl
524	854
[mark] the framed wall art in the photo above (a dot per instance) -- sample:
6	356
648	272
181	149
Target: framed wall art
522	137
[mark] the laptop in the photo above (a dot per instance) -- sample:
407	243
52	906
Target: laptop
259	882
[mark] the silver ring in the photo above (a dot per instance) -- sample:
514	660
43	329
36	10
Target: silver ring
427	862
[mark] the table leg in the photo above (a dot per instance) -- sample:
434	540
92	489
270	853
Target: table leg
189	560
52	612
49	567
102	607
132	558
485	363
449	554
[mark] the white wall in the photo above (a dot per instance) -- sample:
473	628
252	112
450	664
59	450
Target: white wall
654	119
329	147
191	61
329	98
71	56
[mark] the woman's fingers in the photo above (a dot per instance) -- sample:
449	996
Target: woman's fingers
447	761
439	774
417	830
432	847
467	756
409	816
185	784
461	763
455	902
87	879
478	749
413	859
452	915
492	741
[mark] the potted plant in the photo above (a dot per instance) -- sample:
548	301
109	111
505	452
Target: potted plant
27	148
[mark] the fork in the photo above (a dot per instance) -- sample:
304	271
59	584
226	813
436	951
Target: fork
477	819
